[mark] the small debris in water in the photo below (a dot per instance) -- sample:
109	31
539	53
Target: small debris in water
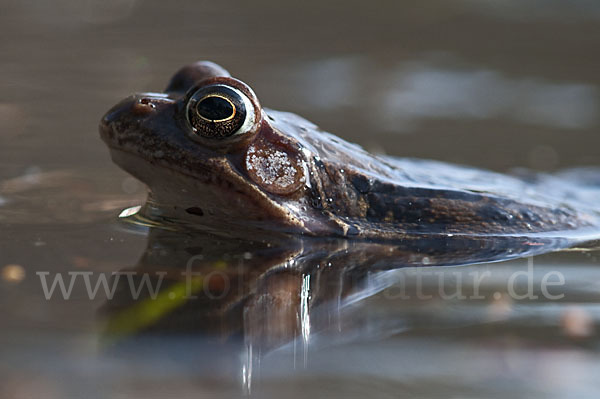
501	306
13	273
577	323
81	262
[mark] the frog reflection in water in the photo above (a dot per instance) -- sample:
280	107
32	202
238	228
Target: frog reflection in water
265	291
213	157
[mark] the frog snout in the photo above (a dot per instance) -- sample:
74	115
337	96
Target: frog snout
130	112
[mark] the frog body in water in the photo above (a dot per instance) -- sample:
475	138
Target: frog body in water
213	157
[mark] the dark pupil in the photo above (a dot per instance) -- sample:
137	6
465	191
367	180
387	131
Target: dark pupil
214	108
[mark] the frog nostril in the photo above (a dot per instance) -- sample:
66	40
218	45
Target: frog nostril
143	106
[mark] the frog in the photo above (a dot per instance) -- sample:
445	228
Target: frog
214	158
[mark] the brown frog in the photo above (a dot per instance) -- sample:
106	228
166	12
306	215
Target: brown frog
213	157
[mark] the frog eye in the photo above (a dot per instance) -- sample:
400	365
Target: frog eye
218	111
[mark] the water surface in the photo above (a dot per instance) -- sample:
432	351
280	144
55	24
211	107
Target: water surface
499	86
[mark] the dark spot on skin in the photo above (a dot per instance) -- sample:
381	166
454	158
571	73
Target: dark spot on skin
412	210
500	215
352	230
361	183
318	163
377	207
315	200
528	215
194	210
494	212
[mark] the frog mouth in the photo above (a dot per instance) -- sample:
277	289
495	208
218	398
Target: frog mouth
190	198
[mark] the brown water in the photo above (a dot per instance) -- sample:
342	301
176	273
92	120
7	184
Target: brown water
491	84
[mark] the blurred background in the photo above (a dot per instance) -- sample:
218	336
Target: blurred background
494	84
